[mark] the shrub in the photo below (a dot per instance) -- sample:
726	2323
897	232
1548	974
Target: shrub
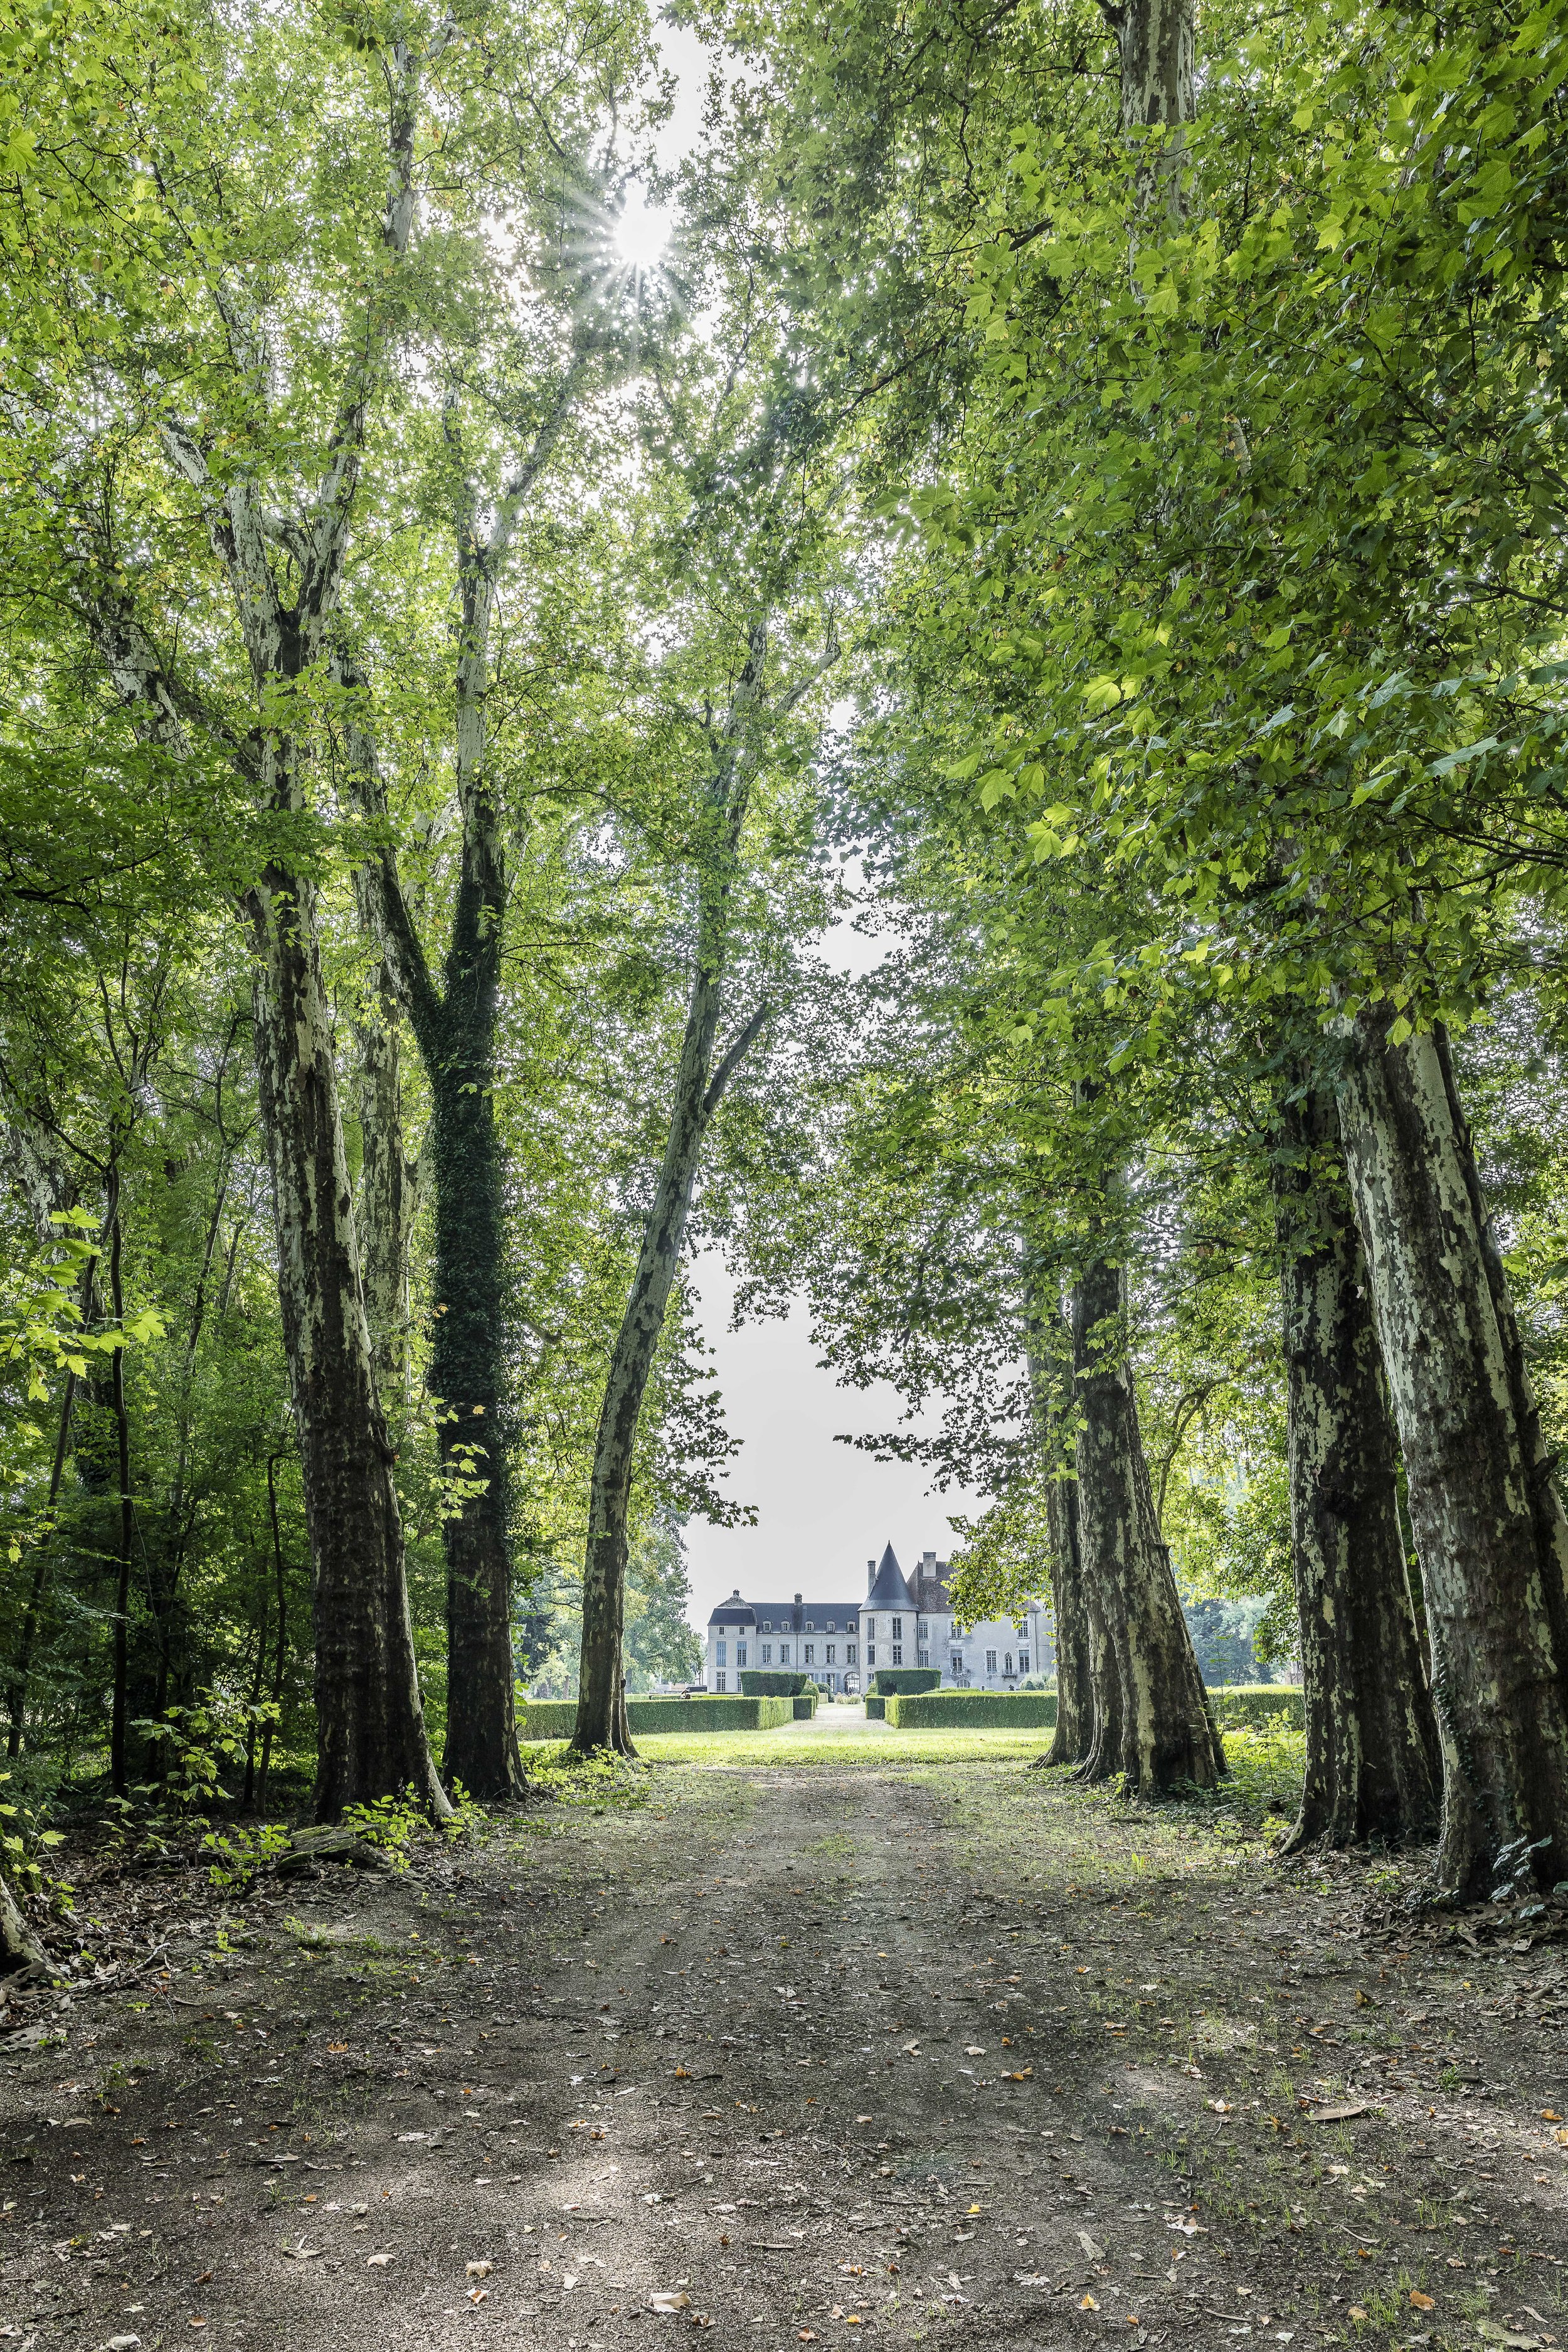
557	1718
876	1707
805	1704
971	1710
771	1682
1271	1703
889	1679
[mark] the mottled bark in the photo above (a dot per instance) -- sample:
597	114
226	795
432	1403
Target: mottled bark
601	1700
1049	1359
370	1722
1373	1767
21	1668
386	1200
21	1953
455	1028
1153	1724
118	1776
1157	49
1071	1740
1489	1519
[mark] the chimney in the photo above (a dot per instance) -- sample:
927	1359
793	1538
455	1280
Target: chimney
871	1574
797	1600
927	1560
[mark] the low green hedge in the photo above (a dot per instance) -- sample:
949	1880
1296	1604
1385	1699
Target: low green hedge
805	1704
888	1679
771	1682
971	1710
1245	1702
557	1718
876	1707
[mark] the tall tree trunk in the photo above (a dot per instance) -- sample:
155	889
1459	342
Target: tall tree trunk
455	1029
281	1666
467	1374
118	1776
1153	1722
698	1088
385	1203
370	1723
22	1663
1490	1523
1373	1767
1073	1739
1049	1359
601	1689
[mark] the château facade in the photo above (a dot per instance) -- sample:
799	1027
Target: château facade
901	1622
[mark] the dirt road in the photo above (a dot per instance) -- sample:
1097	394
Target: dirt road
800	2056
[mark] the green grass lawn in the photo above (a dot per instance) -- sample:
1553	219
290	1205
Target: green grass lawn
1266	1764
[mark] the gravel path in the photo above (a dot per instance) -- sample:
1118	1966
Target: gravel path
795	2056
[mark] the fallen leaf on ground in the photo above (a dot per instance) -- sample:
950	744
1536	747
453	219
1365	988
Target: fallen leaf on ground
974	2050
377	2261
1091	2246
679	2302
1088	2304
478	2270
1340	2114
1421	2301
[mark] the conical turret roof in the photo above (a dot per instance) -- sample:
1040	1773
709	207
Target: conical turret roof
890	1586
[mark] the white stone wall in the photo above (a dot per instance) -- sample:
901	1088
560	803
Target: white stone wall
994	1655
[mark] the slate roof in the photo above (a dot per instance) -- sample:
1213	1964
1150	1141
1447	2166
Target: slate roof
820	1616
733	1611
890	1589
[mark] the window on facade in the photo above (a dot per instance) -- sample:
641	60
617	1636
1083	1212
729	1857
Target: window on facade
1007	1663
990	1662
809	1655
898	1628
739	1653
767	1624
718	1682
1022	1662
783	1654
898	1654
810	1625
957	1662
767	1653
870	1654
921	1630
849	1654
831	1653
721	1653
923	1657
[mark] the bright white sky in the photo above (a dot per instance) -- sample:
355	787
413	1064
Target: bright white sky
823	1509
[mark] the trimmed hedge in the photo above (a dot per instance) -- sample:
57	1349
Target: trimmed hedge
804	1706
1248	1702
971	1710
876	1707
888	1679
556	1718
771	1682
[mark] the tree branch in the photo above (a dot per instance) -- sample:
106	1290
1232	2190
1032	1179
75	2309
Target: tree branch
732	1060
